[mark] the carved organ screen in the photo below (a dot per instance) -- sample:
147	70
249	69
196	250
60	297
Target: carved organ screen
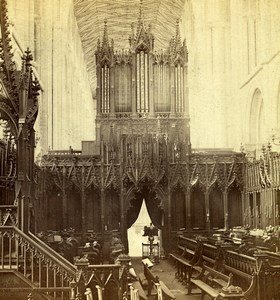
141	80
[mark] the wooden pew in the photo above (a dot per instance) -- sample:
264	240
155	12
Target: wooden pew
186	258
153	281
212	283
186	247
257	275
244	269
268	281
137	292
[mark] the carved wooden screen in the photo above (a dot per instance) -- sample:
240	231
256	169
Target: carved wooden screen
54	211
93	210
216	209
178	206
112	210
234	208
7	164
74	208
198	217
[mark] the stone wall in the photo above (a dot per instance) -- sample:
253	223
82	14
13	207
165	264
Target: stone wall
233	52
49	29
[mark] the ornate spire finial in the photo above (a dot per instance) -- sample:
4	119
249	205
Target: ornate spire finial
177	39
105	41
177	50
104	53
143	39
140	17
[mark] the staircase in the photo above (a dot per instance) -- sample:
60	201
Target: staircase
29	267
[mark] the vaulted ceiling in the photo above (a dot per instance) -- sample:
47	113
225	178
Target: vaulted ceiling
120	14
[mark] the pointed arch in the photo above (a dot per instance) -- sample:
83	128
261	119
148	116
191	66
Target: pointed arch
257	118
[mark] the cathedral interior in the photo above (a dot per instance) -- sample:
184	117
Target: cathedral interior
136	137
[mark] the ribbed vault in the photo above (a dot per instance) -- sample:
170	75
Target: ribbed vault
120	14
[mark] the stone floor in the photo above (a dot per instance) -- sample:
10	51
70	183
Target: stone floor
166	273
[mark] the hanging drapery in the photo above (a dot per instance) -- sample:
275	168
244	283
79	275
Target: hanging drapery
133	211
154	211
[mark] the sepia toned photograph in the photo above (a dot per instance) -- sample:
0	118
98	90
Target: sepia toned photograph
139	149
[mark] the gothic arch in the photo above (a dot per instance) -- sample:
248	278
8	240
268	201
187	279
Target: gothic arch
256	118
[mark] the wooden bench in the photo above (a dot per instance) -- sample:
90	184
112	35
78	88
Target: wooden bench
183	265
244	269
186	258
162	290
210	282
